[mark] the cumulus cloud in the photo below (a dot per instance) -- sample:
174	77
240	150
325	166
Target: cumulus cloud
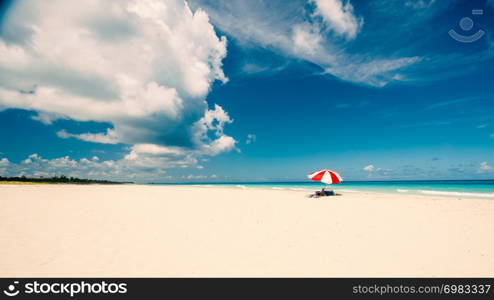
144	67
127	169
37	166
369	168
484	167
374	172
4	163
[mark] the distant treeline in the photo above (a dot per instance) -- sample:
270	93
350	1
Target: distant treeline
60	179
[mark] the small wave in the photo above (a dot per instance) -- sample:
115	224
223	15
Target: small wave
457	194
402	191
243	187
353	191
299	189
289	188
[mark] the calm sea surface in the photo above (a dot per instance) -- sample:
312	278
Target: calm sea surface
448	188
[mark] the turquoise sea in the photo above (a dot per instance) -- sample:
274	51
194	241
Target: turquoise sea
446	188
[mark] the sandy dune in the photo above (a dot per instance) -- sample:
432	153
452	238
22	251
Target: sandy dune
133	230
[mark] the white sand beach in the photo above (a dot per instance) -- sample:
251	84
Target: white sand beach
138	230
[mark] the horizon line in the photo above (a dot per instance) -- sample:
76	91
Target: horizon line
293	181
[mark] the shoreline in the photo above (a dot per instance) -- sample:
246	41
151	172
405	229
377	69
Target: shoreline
417	193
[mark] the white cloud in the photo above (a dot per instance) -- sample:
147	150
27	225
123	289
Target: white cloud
161	155
369	168
214	121
108	138
195	177
251	138
140	162
306	40
222	144
339	17
484	167
4	164
125	169
145	67
399	172
36	166
318	33
376	72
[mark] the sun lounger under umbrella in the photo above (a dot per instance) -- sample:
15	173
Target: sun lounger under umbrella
327	177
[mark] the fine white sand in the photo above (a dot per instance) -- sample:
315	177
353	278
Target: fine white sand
133	230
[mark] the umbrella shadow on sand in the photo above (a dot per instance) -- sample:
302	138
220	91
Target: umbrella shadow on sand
323	193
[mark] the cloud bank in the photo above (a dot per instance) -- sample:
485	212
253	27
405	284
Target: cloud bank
322	32
144	67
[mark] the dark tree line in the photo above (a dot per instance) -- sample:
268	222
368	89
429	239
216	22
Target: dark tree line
60	179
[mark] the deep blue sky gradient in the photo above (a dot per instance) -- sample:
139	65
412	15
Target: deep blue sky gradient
305	120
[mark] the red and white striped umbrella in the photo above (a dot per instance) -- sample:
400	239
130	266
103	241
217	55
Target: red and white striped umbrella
326	176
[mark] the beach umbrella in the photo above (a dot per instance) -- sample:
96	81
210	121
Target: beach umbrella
326	176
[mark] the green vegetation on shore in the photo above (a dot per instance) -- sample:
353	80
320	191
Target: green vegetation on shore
56	179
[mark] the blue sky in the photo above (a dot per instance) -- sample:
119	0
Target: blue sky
246	90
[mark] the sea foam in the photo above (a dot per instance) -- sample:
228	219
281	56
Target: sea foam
457	194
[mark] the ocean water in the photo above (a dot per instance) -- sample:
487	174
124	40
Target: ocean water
445	188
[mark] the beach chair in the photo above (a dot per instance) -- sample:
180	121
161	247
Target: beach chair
318	194
329	193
